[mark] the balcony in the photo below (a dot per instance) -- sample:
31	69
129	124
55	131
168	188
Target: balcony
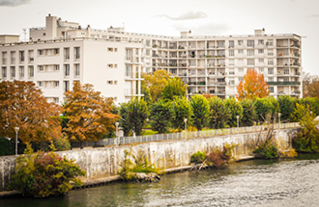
283	83
197	83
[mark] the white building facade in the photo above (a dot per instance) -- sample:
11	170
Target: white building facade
113	60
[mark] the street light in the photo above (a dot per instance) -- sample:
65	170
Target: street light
185	120
279	114
117	133
237	121
17	131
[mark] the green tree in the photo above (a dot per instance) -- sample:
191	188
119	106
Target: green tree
219	113
160	116
287	107
263	107
307	139
313	103
133	116
153	84
200	107
174	87
249	113
181	110
235	110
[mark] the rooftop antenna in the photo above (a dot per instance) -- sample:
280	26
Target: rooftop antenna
25	34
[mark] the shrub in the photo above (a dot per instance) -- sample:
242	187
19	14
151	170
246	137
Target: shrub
287	106
235	110
198	157
62	143
219	113
267	150
6	146
160	116
200	107
263	107
249	113
43	174
218	158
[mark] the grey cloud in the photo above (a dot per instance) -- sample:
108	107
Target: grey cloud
186	16
13	3
205	29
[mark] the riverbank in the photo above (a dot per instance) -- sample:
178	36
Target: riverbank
110	179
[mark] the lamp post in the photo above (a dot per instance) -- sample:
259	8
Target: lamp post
185	120
237	121
279	114
17	131
117	133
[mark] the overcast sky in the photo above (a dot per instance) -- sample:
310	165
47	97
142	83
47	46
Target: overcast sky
168	17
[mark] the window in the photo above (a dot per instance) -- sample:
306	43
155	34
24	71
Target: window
40	67
56	100
56	51
13	57
128	54
56	84
260	51
240	42
21	68
271	89
241	62
286	71
67	53
66	85
221	44
56	67
4	58
148	43
270	79
13	71
110	65
41	52
77	69
260	60
66	70
240	51
115	49
250	43
115	65
148	52
269	43
31	56
231	82
77	52
261	70
128	70
260	42
270	71
270	62
240	70
231	43
270	52
31	72
250	52
4	72
231	62
250	61
21	56
110	49
115	82
231	53
109	82
40	83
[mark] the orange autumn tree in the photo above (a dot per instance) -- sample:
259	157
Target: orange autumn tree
23	105
253	86
89	115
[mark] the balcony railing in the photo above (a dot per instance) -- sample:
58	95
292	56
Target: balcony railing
283	83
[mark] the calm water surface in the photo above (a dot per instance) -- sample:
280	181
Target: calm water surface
250	183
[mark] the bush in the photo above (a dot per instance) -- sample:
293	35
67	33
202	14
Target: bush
198	157
249	113
160	116
235	110
218	158
267	150
62	143
287	106
6	146
219	113
263	107
43	174
201	111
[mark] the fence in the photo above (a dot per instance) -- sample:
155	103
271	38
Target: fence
183	135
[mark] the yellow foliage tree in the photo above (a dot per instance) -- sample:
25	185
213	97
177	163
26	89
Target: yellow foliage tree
154	84
253	86
22	105
89	114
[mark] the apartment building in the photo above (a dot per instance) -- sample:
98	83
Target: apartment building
112	60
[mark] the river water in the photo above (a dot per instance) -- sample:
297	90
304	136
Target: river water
249	183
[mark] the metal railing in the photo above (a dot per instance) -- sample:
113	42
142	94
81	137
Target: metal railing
183	135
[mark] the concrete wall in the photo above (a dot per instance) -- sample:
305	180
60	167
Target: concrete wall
101	162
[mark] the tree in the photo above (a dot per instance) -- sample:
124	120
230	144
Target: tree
275	109
160	116
249	113
174	87
235	110
200	107
153	84
287	107
311	86
219	113
22	105
133	116
253	86
264	107
89	114
307	139
181	109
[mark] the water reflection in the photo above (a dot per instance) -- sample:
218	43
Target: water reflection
251	183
